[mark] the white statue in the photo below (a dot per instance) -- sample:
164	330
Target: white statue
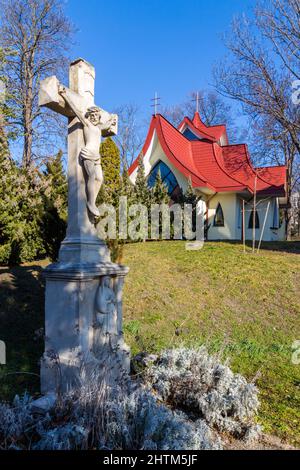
93	126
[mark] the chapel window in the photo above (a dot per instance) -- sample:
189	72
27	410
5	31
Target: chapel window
166	174
251	220
219	217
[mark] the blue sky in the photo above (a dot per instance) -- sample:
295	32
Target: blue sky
139	47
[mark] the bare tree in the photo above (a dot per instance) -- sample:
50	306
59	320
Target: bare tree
35	35
295	219
279	20
129	138
5	112
259	76
213	110
174	113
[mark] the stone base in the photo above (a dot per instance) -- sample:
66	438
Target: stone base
83	323
90	250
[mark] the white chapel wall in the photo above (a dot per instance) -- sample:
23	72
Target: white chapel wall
228	202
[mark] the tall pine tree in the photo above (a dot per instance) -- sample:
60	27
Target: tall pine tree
126	188
142	193
189	196
111	163
20	201
21	209
54	218
111	187
160	191
192	199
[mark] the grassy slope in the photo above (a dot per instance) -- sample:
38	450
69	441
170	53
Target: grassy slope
246	305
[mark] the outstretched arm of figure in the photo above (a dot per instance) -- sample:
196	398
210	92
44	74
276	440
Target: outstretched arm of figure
64	92
109	123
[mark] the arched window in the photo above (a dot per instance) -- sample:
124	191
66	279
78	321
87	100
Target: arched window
166	174
251	220
219	217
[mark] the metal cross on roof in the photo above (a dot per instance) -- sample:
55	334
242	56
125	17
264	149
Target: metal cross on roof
197	99
156	103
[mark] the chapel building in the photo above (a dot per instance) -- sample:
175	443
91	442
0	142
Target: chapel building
221	173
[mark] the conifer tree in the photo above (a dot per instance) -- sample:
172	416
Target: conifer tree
111	188
21	208
110	162
160	191
191	198
189	195
126	187
142	193
20	201
54	218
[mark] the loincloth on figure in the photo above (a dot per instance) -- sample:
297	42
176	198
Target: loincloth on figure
87	154
92	164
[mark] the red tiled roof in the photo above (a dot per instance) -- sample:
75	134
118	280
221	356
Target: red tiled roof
215	131
210	165
269	179
196	124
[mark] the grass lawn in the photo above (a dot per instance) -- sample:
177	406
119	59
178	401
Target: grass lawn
248	306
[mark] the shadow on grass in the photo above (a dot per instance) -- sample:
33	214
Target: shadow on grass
21	321
285	246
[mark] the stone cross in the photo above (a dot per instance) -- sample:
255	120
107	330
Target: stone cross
83	301
87	123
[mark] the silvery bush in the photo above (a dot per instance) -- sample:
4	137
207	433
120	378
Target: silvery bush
15	420
196	382
195	399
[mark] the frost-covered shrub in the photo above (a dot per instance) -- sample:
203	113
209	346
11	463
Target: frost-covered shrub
129	417
140	422
14	421
65	437
195	397
194	381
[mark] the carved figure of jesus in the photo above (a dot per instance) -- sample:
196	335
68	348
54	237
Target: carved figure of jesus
93	126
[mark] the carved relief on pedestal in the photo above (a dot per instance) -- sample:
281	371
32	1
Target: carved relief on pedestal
105	319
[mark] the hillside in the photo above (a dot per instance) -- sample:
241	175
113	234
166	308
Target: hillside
246	306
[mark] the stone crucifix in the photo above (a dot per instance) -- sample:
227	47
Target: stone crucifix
83	299
87	123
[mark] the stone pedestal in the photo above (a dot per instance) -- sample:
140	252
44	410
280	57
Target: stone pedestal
83	324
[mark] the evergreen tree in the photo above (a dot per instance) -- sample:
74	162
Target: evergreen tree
159	195
160	191
126	190
110	162
191	198
111	187
189	195
54	218
127	187
20	201
142	193
21	207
